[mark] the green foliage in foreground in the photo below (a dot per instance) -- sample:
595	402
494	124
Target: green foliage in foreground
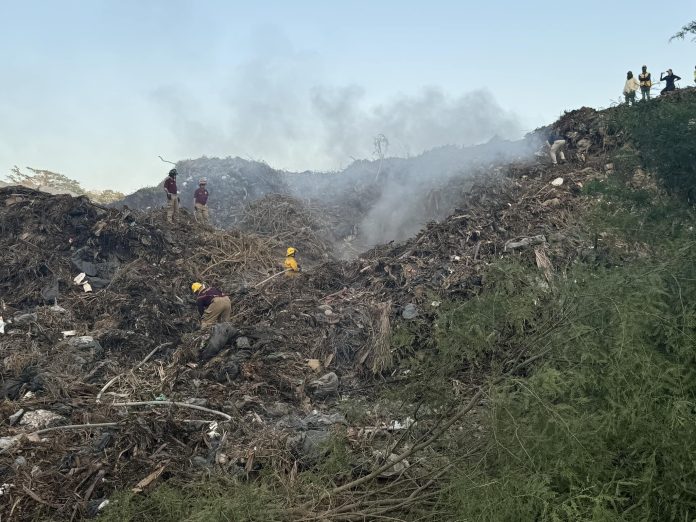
603	428
664	131
201	501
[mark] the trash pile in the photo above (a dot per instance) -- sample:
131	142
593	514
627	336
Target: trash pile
107	382
308	227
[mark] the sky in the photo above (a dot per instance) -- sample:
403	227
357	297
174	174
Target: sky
98	89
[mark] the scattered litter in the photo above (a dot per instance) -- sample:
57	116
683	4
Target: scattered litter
140	486
5	489
314	364
79	278
410	311
8	442
435	304
213	432
69	333
557	182
2	325
395	425
324	386
40	419
15	417
25	318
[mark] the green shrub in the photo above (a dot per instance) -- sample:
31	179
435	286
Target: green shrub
603	428
664	131
201	501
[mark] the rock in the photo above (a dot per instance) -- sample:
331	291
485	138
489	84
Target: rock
20	461
243	343
324	386
410	311
14	418
309	446
40	419
553	202
321	420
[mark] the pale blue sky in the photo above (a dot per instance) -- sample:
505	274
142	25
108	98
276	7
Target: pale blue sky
97	89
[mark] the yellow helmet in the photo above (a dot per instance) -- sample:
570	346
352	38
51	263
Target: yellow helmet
196	287
291	251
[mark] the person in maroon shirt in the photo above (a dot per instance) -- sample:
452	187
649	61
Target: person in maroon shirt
213	305
172	195
200	202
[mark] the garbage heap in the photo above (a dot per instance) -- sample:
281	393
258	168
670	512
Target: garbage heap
108	383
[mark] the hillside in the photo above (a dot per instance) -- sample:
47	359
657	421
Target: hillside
402	382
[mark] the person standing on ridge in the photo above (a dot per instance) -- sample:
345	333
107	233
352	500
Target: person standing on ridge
290	264
557	144
172	195
200	202
630	88
213	304
670	79
645	83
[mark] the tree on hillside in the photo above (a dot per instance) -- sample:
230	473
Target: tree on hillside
40	178
688	29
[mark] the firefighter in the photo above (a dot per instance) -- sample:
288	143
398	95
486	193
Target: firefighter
291	266
645	81
556	143
213	304
172	193
200	202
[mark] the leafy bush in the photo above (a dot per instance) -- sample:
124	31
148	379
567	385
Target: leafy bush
664	131
603	428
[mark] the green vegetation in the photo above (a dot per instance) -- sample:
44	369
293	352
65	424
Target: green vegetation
665	132
200	501
602	429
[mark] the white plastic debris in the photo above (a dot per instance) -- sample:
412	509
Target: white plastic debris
213	433
2	325
79	278
69	333
435	304
87	287
103	504
5	489
396	425
557	182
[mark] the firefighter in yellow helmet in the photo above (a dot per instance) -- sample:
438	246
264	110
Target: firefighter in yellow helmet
213	305
290	264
